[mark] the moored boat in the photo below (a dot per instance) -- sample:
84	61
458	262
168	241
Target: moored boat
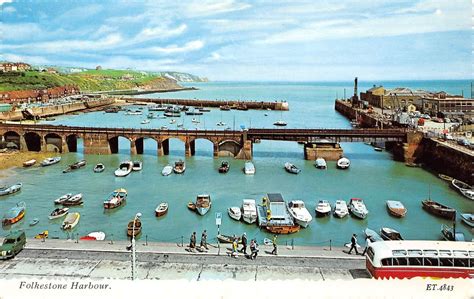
99	167
358	208
450	234
291	168
249	210
6	190
343	163
58	213
280	123
446	178
396	208
137	165
29	163
42	235
465	189
286	229
299	212
78	164
145	121
468	219
161	209
74	200
50	161
249	168
93	236
340	209
372	235
390	234
438	209
134	227
115	199
273	215
179	167
320	163
228	239
323	208
224	168
15	214
203	203
191	206
34	221
234	213
167	170
62	199
124	169
71	221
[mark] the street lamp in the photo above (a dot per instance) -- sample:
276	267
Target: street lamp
138	215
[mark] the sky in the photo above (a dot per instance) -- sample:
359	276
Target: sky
233	40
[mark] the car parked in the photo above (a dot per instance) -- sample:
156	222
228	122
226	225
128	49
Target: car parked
13	243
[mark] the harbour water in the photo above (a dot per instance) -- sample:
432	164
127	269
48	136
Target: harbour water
373	176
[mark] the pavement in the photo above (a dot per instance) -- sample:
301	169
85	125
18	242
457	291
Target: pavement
103	259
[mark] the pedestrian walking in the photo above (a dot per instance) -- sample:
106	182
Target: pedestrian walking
244	244
204	239
192	241
367	243
353	244
274	251
253	249
234	248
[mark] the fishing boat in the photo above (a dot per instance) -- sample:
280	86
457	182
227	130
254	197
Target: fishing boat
249	168
167	170
320	163
179	167
249	209
468	219
124	169
357	208
58	213
79	164
438	209
445	177
203	203
34	221
99	167
145	121
15	214
5	190
29	163
137	165
68	169
340	209
115	199
224	168
161	209
50	161
343	163
93	236
450	233
224	107
134	227
71	221
273	215
396	208
291	168
42	235
228	239
323	208
62	199
299	212
280	123
74	200
283	229
465	189
377	149
234	213
390	234
372	235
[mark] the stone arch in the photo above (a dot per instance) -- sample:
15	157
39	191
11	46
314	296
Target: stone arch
205	147
72	142
139	144
32	141
114	143
53	142
229	148
12	137
165	143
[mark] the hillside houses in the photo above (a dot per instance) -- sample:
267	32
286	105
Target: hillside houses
37	95
14	67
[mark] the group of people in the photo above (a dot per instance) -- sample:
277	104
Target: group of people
354	244
253	247
203	245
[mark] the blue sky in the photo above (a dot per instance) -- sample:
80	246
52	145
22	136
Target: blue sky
246	40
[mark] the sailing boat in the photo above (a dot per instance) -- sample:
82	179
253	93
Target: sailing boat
281	122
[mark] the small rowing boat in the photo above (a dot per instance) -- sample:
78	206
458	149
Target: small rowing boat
99	167
161	209
115	199
446	178
34	221
167	170
29	163
62	199
134	227
396	208
50	161
74	200
71	221
58	213
291	168
228	239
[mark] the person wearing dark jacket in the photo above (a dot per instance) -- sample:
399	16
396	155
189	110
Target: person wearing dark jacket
353	244
274	241
192	241
244	244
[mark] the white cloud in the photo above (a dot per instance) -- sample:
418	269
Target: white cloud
19	31
213	7
121	62
158	32
24	58
9	9
5	1
173	49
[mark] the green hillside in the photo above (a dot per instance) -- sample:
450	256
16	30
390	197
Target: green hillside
91	80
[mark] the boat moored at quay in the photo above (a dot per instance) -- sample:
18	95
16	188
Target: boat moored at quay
273	215
116	199
6	190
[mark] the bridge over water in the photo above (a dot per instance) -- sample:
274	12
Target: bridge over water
239	144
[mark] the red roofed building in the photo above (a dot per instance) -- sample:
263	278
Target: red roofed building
37	95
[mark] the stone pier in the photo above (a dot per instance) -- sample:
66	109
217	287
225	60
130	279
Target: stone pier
330	151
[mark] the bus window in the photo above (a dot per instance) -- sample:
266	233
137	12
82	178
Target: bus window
458	262
445	262
414	253
414	261
386	262
471	262
445	253
399	252
430	261
430	252
399	261
461	253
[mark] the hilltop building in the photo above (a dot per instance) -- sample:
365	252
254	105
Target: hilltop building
14	67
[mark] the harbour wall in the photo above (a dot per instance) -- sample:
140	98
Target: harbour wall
262	105
366	120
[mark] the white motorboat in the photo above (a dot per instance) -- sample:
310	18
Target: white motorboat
137	165
203	203
71	221
50	161
280	123
340	209
58	213
323	208
320	163
234	213
249	168
124	169
249	209
468	219
179	167
99	167
167	170
5	190
299	212
343	163
291	168
145	121
63	198
465	189
357	208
